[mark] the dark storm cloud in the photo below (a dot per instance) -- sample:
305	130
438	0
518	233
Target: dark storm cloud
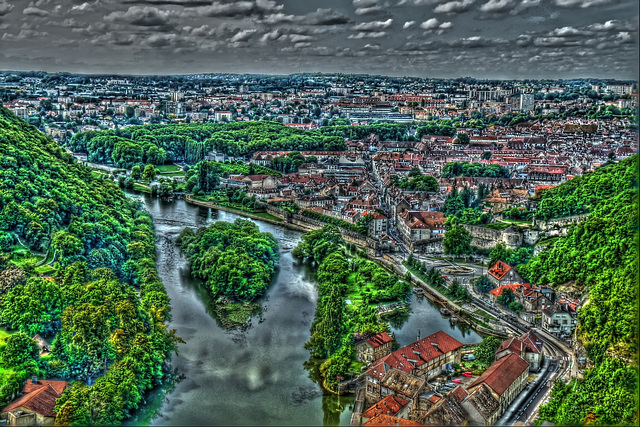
445	38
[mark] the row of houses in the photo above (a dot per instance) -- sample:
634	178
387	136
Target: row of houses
400	384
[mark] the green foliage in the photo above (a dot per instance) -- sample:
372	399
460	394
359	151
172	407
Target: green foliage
318	244
484	285
236	260
102	240
485	353
191	142
585	193
288	163
205	176
600	254
512	257
491	170
20	349
417	183
457	241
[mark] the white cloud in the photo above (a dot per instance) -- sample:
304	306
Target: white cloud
408	24
368	35
373	25
456	6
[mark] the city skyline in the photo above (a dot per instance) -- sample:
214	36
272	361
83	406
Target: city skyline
485	39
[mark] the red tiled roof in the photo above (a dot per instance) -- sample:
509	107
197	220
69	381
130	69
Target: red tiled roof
532	342
459	393
58	386
390	405
498	291
378	340
416	354
513	344
388	420
499	269
41	401
502	373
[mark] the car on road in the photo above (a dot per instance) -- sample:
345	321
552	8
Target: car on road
457	381
467	374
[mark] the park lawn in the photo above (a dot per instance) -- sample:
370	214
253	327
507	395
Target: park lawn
142	188
167	168
177	173
97	174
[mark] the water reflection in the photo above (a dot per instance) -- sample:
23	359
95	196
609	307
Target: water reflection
255	375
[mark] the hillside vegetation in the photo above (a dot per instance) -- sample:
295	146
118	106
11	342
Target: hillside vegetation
599	255
88	309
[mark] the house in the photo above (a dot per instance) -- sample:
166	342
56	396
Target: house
482	407
516	288
501	273
506	378
35	406
374	348
392	405
260	181
378	225
559	321
420	225
426	358
389	420
528	346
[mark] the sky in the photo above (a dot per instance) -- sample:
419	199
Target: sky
498	39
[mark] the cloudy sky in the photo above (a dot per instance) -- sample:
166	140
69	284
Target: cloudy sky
426	38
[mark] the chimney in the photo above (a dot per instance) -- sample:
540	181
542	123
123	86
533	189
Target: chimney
34	380
418	335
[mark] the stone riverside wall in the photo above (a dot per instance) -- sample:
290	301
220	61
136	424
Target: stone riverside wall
291	220
427	246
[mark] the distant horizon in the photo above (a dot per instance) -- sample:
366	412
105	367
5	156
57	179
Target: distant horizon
492	39
327	73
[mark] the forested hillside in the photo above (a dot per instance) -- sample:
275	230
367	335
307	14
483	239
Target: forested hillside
89	308
584	193
599	255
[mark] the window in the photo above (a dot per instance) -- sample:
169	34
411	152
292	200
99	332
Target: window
564	322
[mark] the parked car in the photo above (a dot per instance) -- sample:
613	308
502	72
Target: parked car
467	374
457	381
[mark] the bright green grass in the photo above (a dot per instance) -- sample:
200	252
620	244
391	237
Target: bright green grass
178	173
141	188
167	168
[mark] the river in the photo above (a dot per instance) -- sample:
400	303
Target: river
254	376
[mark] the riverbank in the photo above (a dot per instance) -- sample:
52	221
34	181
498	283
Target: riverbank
279	222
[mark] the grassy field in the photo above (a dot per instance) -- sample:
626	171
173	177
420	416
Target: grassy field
142	188
167	168
497	225
45	270
178	173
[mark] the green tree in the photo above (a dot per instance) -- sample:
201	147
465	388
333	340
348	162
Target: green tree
485	353
457	241
135	172
149	172
20	348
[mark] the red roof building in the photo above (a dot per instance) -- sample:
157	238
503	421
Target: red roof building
505	378
390	405
36	405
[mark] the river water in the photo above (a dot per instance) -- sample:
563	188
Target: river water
256	375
